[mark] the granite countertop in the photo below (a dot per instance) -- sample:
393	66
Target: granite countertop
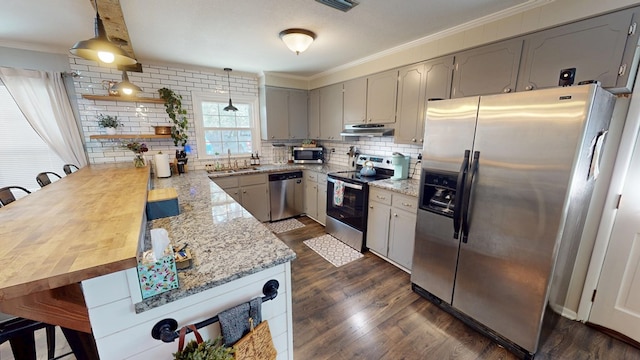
409	187
271	168
225	240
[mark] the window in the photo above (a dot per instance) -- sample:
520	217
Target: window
24	154
220	131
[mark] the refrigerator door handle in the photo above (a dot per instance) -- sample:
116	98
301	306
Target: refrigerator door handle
462	176
467	196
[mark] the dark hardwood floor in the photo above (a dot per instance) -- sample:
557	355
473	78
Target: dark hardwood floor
367	310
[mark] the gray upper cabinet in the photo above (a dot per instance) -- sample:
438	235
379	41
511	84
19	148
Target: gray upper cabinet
416	84
298	114
490	69
283	113
382	89
355	101
314	114
600	48
331	103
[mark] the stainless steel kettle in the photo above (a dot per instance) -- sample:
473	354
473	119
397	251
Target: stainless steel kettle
367	169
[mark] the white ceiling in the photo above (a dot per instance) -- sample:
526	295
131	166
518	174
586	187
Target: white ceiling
243	34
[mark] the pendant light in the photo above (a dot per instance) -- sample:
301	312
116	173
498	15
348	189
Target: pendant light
229	107
100	48
126	87
297	40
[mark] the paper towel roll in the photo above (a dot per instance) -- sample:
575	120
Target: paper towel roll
162	165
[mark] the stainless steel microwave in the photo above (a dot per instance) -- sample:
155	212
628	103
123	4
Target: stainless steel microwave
308	155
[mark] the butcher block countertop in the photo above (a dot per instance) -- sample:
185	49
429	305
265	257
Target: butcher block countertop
84	225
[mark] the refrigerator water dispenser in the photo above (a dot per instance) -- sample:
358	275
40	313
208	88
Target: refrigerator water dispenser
439	192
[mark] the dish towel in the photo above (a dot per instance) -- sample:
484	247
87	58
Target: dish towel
234	322
338	192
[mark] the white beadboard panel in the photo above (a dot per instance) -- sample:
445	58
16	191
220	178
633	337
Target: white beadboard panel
120	333
96	294
134	283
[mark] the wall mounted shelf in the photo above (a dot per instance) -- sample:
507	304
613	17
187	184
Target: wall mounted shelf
130	136
123	98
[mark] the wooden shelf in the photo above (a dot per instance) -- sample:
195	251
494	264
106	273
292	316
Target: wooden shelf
123	98
130	136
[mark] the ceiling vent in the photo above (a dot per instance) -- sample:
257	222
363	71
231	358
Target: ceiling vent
342	5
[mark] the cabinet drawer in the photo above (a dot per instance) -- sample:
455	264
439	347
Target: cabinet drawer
310	176
226	182
381	196
256	179
408	203
322	179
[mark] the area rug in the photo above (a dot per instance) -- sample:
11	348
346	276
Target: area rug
333	250
284	225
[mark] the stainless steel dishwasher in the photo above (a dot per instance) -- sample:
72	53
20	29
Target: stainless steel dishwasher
286	195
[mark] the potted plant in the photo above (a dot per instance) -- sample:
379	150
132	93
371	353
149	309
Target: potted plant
173	107
108	122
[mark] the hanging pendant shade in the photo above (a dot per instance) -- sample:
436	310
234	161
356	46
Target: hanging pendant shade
229	107
100	48
126	87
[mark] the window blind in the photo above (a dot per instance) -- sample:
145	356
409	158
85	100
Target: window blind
22	153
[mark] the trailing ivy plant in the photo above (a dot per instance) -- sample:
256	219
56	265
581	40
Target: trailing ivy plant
173	107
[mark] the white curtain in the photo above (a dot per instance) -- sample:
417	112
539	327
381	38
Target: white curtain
43	100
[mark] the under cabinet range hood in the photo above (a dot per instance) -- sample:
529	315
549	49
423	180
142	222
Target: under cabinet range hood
370	130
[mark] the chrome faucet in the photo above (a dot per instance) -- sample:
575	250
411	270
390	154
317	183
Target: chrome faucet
229	157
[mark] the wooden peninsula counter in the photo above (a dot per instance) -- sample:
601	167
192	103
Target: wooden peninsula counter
69	254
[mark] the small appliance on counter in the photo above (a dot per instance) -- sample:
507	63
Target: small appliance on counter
400	166
308	155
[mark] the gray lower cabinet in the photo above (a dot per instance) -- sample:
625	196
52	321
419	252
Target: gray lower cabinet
416	84
600	48
250	191
391	225
283	113
331	112
490	69
315	195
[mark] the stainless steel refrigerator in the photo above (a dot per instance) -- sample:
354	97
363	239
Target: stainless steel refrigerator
506	183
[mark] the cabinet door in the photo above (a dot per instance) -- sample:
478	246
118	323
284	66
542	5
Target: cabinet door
322	202
297	114
255	199
314	114
411	101
402	237
490	69
355	101
275	121
311	199
381	97
378	227
439	76
331	112
235	194
596	48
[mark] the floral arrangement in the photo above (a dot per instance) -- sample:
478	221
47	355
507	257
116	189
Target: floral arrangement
138	148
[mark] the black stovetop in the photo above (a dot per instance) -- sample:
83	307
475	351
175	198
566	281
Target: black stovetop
355	176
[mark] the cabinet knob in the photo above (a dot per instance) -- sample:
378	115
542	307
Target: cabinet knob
370	206
529	87
244	192
413	140
506	90
405	204
273	136
395	215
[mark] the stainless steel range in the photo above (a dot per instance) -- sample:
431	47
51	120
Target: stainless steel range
347	221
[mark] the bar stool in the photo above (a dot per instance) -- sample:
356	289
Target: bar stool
43	178
69	168
20	334
7	197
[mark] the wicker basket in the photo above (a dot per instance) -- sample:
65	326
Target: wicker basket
256	345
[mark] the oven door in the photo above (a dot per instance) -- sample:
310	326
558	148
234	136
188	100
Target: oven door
353	210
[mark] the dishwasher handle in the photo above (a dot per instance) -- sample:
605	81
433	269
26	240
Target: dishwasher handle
346	184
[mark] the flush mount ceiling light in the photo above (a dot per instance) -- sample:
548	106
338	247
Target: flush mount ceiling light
297	40
229	107
126	87
100	48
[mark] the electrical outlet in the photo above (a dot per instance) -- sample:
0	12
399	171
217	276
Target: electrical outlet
333	150
419	156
